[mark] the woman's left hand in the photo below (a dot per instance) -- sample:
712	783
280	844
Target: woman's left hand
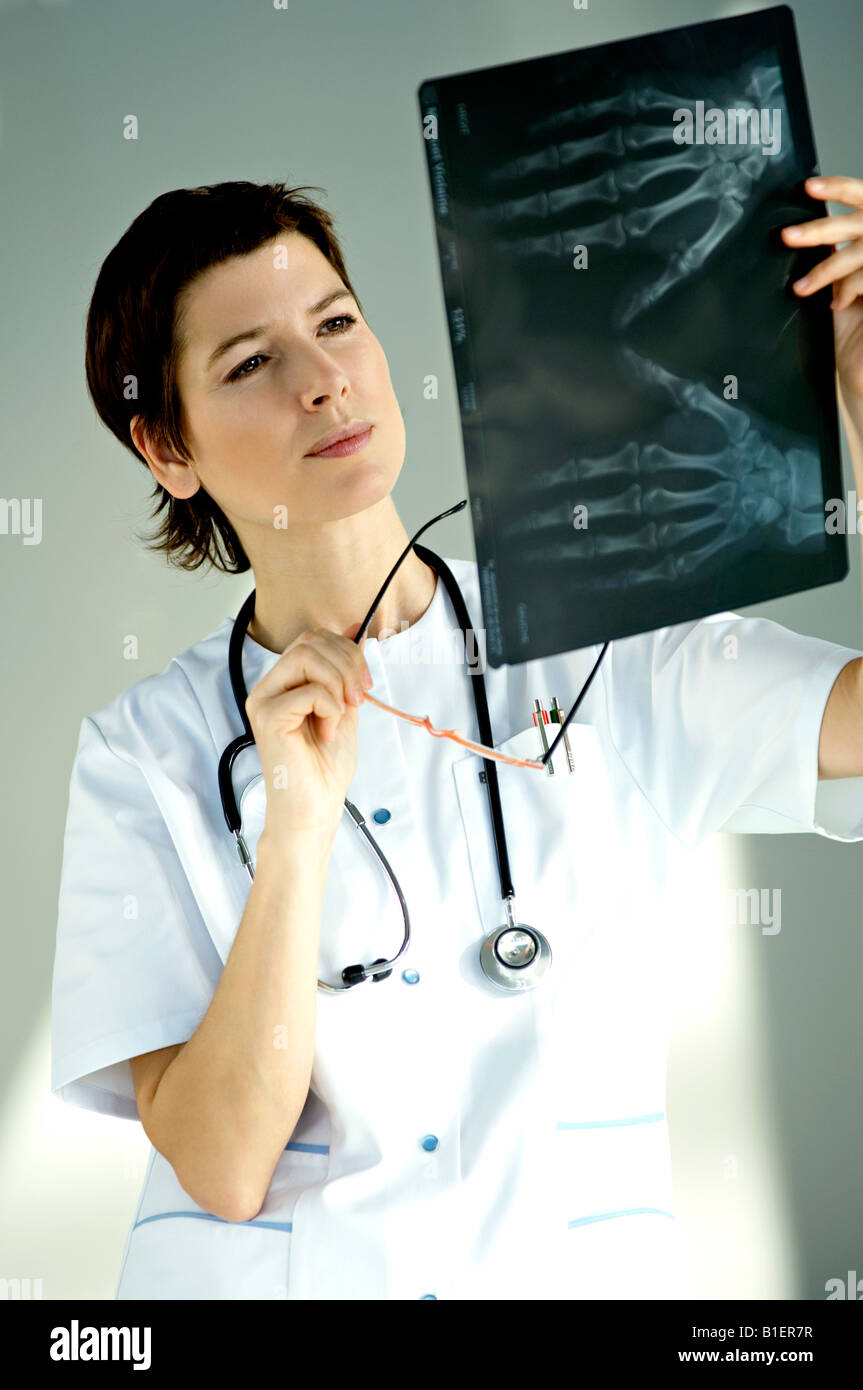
843	270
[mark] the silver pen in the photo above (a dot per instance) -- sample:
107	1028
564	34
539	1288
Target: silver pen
556	709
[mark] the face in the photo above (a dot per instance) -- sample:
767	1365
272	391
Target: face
251	416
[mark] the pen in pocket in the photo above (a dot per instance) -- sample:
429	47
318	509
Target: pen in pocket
540	718
558	716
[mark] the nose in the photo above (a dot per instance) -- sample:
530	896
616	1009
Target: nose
326	380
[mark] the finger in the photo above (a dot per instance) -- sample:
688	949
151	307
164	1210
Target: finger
305	661
847	290
348	655
825	230
302	702
330	726
837	187
832	268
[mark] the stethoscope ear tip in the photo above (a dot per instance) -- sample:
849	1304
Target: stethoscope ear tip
356	974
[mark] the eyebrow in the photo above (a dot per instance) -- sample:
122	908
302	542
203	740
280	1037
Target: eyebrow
260	328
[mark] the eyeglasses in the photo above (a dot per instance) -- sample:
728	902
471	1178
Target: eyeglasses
453	734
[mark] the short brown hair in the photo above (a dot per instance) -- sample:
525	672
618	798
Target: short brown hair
131	332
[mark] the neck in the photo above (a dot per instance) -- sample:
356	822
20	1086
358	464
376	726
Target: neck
328	575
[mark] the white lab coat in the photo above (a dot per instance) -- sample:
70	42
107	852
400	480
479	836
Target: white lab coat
551	1176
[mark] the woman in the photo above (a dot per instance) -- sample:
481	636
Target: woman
422	1134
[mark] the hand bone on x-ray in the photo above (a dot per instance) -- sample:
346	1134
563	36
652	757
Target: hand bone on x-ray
751	490
724	176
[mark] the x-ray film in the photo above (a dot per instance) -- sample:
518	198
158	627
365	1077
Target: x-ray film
648	409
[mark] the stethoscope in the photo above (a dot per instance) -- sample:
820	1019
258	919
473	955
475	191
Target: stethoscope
513	957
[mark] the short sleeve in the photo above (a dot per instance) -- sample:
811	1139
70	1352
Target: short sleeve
718	722
133	966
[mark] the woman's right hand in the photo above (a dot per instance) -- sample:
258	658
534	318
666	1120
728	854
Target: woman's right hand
304	719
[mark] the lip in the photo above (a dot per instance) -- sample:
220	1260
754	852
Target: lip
347	439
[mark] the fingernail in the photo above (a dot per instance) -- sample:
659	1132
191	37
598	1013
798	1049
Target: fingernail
817	184
367	681
793	231
801	284
356	696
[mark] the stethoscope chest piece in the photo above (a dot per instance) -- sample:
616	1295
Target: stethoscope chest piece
515	957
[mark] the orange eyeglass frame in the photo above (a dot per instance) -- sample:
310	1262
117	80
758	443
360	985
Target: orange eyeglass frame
457	737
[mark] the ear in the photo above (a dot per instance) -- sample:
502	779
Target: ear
176	476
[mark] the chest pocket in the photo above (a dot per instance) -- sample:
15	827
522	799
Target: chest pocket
580	871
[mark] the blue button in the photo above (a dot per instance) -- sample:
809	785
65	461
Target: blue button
410	976
428	1295
381	816
429	1141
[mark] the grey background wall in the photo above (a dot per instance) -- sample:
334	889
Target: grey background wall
765	1073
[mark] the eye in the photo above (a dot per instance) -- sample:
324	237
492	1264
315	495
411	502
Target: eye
238	373
341	318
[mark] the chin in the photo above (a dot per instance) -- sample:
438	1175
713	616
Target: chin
356	492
